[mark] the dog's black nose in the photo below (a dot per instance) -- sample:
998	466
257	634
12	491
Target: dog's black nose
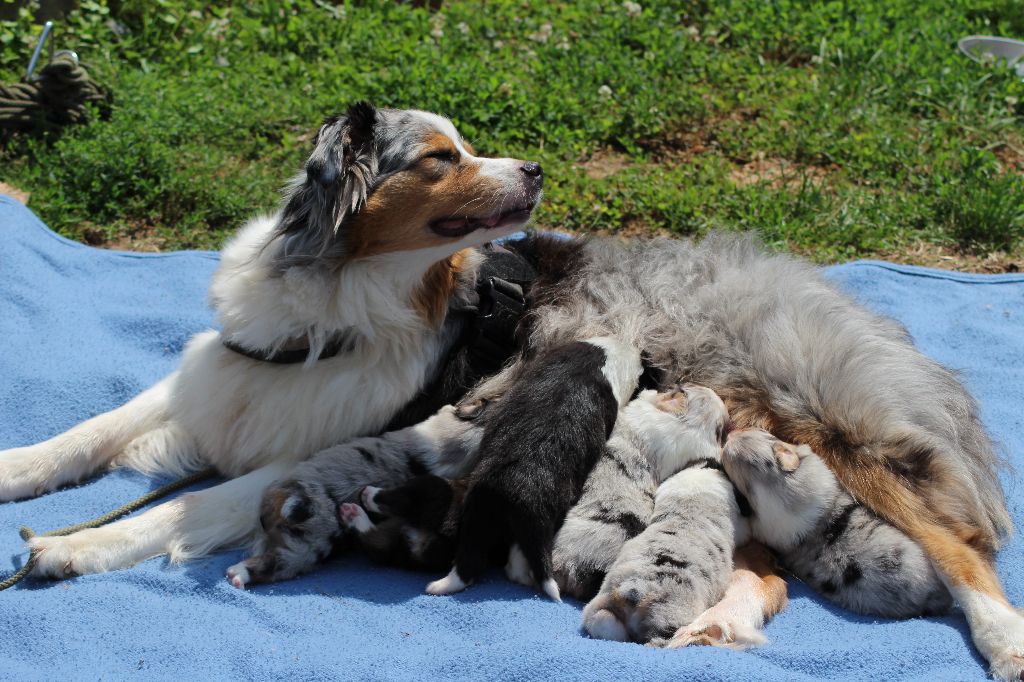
532	168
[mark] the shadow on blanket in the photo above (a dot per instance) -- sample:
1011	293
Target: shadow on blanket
85	329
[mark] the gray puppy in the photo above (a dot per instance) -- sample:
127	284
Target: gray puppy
824	537
299	514
678	567
655	435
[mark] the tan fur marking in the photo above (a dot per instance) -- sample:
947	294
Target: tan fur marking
951	544
886	494
673	403
431	298
755	559
398	214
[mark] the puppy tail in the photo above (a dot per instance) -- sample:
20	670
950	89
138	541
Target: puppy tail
538	557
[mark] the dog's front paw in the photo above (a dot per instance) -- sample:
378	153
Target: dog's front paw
517	569
94	550
998	631
368	496
23	473
353	516
1007	660
1008	667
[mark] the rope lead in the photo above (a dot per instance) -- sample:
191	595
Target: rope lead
139	502
57	96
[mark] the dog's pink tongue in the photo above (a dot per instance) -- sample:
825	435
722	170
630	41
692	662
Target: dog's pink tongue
492	221
454	223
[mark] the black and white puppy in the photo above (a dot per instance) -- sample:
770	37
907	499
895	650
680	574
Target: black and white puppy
554	422
420	522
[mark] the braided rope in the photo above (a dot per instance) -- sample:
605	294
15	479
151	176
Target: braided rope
139	502
58	97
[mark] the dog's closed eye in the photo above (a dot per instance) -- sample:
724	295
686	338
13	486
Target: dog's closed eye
446	155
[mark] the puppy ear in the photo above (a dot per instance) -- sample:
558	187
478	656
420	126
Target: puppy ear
673	402
789	460
471	410
337	179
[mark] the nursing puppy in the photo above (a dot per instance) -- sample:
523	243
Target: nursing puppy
368	270
655	435
826	538
419	526
678	567
299	515
555	420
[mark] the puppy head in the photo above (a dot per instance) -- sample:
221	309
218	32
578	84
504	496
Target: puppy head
682	424
695	407
386	181
788	486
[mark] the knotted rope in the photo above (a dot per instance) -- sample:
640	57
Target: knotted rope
56	97
163	491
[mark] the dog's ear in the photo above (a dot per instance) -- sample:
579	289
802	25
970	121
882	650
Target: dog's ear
788	458
334	186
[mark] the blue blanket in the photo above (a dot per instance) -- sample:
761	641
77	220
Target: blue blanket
83	330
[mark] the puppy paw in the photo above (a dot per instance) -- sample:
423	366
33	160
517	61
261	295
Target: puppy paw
450	584
603	624
353	516
1008	667
716	632
24	473
517	569
238	575
998	632
367	497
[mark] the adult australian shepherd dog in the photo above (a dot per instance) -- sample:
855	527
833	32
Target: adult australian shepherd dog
377	239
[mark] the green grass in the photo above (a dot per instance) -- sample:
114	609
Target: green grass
838	129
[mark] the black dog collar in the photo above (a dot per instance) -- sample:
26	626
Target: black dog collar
500	305
292	356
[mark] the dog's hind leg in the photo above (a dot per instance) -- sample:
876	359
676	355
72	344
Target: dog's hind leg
83	450
189	526
996	627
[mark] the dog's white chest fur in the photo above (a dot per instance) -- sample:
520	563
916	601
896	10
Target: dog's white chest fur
243	414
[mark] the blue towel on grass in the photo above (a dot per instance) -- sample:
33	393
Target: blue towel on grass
83	330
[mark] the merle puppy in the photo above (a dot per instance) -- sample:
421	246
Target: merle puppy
299	514
678	567
554	423
420	522
824	536
655	436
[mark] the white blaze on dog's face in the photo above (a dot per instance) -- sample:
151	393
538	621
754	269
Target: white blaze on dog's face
788	486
